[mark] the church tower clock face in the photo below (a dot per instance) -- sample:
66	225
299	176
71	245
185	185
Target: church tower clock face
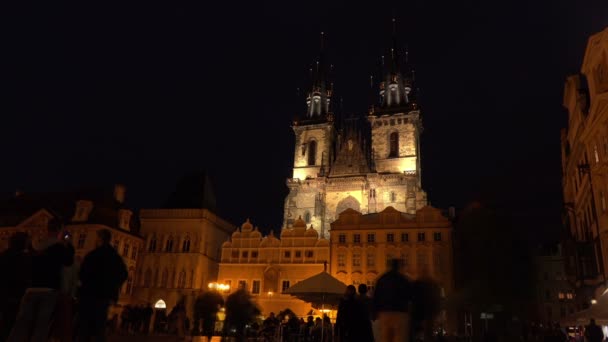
353	161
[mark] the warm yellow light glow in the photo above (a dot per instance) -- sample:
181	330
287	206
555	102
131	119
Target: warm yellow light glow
325	310
594	301
219	287
270	293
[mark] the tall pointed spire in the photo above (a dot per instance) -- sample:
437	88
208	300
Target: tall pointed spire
318	100
396	84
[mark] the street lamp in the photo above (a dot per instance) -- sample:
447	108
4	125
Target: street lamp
593	301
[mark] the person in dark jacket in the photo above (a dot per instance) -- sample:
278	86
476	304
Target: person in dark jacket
102	273
391	302
353	322
16	262
593	332
37	307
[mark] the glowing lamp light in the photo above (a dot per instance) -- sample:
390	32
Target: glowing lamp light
219	287
593	301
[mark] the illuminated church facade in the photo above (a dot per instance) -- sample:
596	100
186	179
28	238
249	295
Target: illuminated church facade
364	163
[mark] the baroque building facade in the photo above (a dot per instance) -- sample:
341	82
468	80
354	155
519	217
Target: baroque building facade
585	173
83	213
267	266
362	245
361	163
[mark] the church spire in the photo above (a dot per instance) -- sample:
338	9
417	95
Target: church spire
396	84
318	101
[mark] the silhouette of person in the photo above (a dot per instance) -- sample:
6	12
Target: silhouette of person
240	310
206	309
593	332
391	304
353	322
16	262
38	304
102	273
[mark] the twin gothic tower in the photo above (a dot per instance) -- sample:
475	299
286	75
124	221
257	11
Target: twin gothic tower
363	163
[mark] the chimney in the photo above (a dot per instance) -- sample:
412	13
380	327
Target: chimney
119	193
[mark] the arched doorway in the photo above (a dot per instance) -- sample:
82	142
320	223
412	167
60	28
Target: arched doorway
348	202
160	317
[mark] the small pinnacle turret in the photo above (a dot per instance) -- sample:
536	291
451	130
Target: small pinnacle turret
397	84
318	101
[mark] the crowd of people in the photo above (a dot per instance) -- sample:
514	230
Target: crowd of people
49	296
134	319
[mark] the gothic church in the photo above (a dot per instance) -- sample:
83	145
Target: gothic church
362	163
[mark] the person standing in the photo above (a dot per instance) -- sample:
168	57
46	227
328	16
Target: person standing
366	302
147	317
102	273
16	262
206	309
38	304
593	332
352	323
391	303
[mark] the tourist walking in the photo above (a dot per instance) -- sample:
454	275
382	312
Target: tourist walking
391	303
102	273
38	304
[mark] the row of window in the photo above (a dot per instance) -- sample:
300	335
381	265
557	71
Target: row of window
126	247
286	254
421	259
560	295
390	237
169	245
166	281
256	285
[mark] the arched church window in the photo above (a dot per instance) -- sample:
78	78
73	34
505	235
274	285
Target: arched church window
393	197
186	244
152	244
169	244
181	280
393	145
147	278
312	152
307	217
164	278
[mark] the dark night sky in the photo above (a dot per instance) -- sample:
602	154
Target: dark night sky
143	92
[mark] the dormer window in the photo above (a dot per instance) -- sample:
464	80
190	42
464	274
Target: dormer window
124	219
83	210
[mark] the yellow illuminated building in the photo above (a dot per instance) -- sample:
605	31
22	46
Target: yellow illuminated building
267	266
361	245
585	172
181	255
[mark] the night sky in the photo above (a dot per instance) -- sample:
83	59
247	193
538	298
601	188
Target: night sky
144	92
